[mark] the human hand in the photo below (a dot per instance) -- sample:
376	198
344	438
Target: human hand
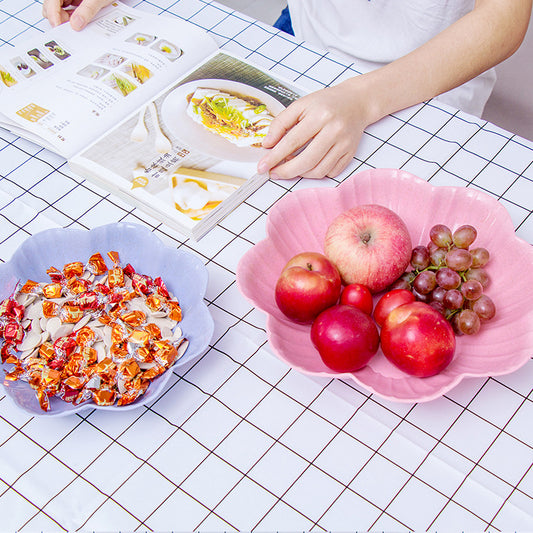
79	12
317	135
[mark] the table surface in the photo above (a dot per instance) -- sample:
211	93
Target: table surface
239	441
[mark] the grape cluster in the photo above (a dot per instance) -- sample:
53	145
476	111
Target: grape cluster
450	276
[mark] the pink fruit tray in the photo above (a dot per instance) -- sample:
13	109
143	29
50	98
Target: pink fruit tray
298	222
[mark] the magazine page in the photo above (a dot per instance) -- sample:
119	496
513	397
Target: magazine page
64	88
193	146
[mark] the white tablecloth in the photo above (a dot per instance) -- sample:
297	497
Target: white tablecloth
239	441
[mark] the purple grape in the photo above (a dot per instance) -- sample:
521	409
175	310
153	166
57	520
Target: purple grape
484	307
438	257
425	282
420	257
479	274
438	294
464	236
432	247
453	299
455	325
480	257
468	322
426	298
438	307
472	289
459	259
448	278
441	235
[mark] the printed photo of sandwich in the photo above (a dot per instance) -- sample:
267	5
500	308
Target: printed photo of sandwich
224	109
220	118
242	120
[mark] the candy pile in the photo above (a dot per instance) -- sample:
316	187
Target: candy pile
91	333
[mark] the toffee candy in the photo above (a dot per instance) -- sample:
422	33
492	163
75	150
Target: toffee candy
91	333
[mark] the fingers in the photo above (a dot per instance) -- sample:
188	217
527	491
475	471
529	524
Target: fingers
315	136
341	165
286	136
314	162
282	124
52	10
287	149
55	12
85	12
326	154
304	162
330	166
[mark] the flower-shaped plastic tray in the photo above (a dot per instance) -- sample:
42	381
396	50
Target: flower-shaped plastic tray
184	274
298	222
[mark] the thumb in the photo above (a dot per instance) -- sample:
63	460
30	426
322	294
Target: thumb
85	12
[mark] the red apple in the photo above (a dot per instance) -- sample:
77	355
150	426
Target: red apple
359	296
418	339
308	284
346	338
389	301
369	244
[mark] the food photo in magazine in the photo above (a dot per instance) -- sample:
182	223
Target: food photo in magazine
147	107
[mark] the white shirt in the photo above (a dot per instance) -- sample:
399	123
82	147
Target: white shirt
371	33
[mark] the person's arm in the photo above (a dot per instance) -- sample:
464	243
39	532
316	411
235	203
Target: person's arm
79	12
326	126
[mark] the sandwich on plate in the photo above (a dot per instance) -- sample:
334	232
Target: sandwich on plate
242	120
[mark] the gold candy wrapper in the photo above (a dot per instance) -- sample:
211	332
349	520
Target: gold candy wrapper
94	304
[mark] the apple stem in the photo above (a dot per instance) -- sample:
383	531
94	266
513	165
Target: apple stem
365	237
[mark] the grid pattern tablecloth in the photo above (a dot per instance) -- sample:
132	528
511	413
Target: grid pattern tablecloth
239	441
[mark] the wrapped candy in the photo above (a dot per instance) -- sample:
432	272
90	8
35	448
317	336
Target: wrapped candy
96	264
52	290
74	269
106	333
50	309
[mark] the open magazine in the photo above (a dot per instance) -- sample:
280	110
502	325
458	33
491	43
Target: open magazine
148	108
